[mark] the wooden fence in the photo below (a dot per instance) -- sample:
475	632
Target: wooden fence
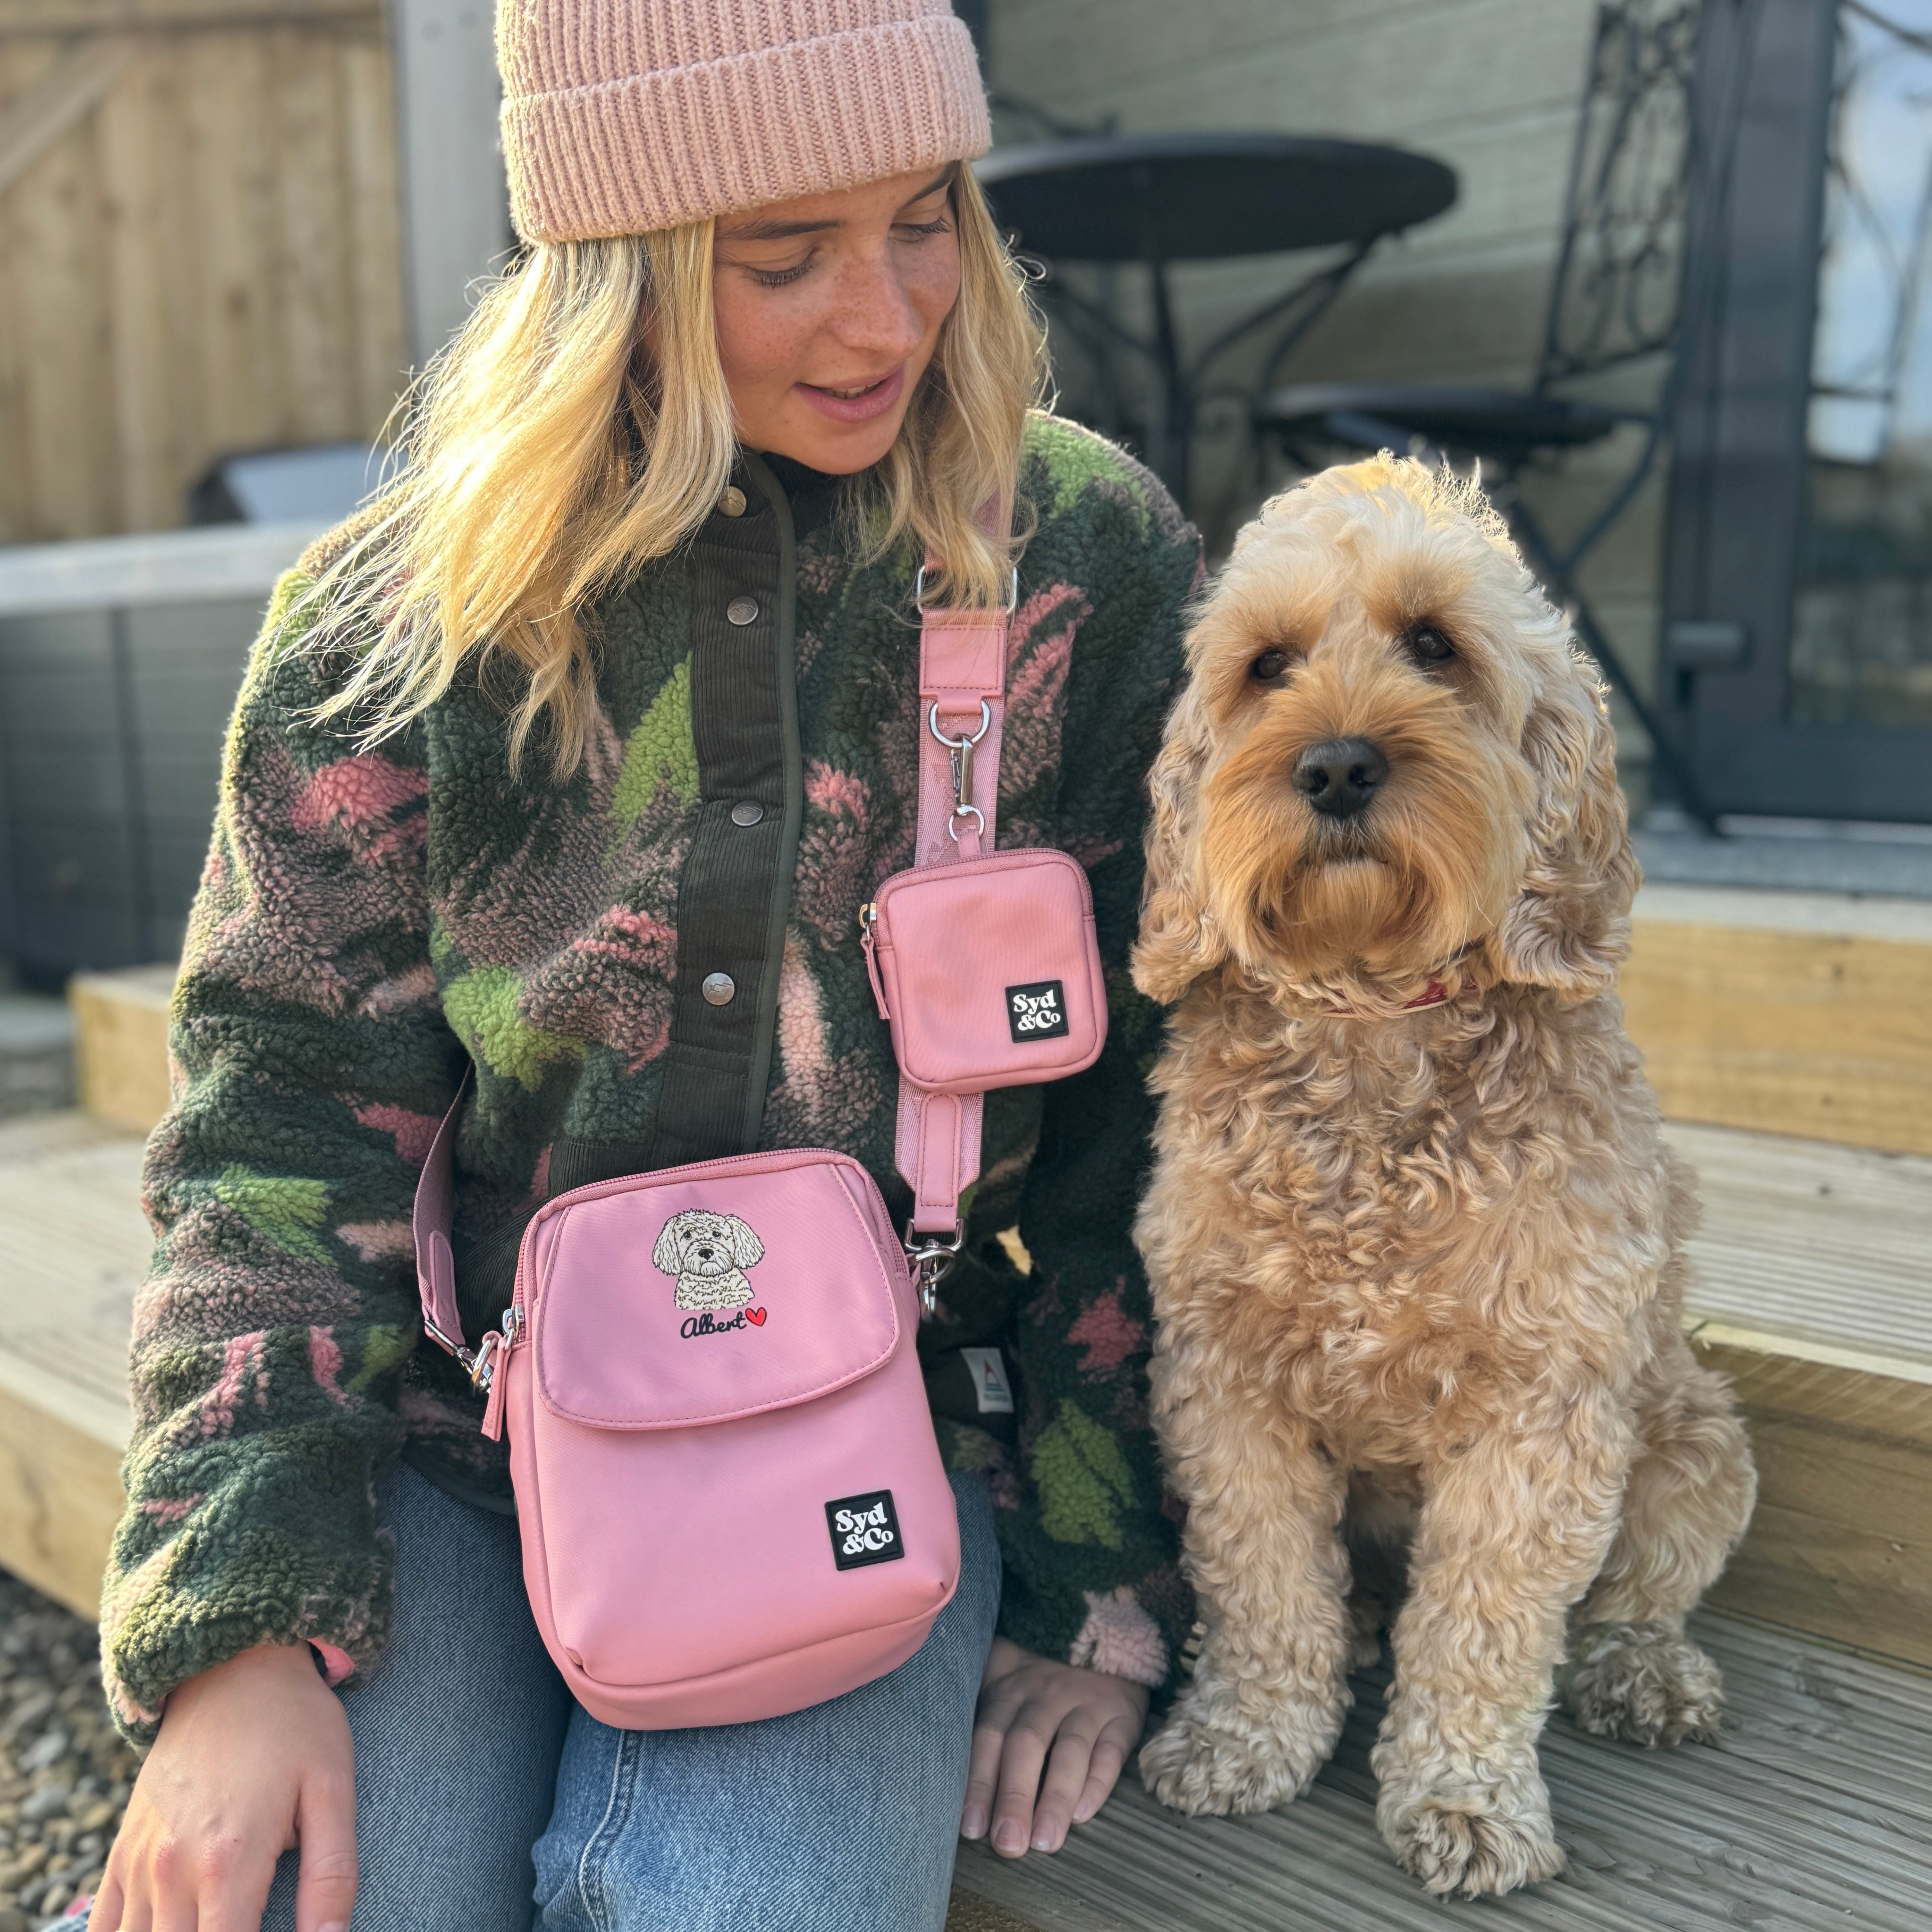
199	246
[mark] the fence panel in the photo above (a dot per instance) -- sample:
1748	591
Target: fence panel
199	247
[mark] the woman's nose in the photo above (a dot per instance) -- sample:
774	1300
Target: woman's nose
876	314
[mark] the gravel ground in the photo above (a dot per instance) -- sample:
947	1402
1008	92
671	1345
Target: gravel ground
65	1775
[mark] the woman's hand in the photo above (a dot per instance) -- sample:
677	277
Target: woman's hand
1077	1724
254	1759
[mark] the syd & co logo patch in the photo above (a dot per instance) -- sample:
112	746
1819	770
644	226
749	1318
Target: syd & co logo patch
865	1530
1037	1011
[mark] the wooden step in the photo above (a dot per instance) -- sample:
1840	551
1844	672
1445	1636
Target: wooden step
77	1246
1811	1812
970	1912
121	1043
1808	1013
1813	1291
1800	1013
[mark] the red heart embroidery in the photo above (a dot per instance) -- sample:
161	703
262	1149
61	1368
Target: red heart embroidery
756	1317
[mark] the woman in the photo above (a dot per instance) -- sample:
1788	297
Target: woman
608	708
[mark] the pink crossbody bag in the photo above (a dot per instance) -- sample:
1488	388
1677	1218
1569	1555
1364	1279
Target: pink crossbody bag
731	1499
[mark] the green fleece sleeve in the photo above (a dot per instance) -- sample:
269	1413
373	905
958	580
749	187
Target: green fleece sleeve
310	1063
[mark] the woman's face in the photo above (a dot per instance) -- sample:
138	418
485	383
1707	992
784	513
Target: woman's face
829	309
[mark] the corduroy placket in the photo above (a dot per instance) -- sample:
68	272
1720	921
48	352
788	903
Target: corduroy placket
734	888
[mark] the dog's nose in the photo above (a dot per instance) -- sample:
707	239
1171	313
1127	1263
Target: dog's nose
1339	776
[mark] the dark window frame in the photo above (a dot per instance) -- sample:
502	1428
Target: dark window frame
1738	472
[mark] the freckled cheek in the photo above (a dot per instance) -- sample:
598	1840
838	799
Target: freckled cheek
761	353
932	288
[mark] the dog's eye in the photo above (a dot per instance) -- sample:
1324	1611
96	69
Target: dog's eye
1427	645
1271	668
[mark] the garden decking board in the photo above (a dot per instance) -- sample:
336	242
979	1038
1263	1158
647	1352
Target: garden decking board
1814	1811
1831	1241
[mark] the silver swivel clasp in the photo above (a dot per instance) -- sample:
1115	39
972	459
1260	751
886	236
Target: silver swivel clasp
932	1259
960	750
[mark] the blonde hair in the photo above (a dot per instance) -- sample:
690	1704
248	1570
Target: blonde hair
580	426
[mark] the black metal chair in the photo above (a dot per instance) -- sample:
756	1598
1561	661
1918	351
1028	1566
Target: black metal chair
1619	298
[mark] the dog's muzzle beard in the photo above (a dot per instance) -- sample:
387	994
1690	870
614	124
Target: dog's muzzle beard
1401	885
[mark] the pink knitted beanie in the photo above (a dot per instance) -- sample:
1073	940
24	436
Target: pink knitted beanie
622	116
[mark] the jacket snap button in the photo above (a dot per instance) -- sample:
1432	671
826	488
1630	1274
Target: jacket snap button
742	610
747	812
719	987
732	502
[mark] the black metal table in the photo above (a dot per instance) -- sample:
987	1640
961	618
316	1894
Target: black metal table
1161	198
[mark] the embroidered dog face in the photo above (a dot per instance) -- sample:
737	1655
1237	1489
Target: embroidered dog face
1387	757
708	1254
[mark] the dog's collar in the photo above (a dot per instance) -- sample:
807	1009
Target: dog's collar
1435	993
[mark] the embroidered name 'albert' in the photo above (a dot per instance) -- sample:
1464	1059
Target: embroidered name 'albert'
707	1324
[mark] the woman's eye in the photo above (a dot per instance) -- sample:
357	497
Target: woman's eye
777	277
918	231
1271	668
1427	645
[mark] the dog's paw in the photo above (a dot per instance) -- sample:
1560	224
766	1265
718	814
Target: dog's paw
1459	1848
1460	1840
1643	1684
1221	1760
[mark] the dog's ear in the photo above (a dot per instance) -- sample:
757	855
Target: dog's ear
665	1257
747	1250
1569	928
1179	939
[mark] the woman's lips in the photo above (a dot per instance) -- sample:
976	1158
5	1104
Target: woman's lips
868	403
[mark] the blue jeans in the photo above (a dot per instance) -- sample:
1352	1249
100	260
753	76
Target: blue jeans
488	1800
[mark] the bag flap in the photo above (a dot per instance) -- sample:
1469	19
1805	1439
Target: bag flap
710	1292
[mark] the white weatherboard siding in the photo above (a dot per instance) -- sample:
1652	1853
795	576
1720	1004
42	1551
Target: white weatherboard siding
1491	87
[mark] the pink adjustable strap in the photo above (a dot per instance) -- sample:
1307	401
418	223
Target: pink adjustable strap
962	690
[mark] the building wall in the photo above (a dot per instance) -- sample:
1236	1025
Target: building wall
199	247
1491	87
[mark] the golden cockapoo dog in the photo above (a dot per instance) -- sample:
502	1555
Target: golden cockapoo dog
1413	1236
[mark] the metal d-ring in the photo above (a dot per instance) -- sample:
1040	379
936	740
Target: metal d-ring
957	744
1013	591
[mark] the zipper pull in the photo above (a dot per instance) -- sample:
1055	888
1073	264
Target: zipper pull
868	917
498	1359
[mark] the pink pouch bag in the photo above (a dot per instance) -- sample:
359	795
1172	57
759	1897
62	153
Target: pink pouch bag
730	1495
988	972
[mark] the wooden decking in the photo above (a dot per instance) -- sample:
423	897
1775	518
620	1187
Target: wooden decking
1814	1811
1833	1243
1813	1273
73	1247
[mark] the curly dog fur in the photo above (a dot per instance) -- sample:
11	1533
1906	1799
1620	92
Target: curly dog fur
1416	1266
